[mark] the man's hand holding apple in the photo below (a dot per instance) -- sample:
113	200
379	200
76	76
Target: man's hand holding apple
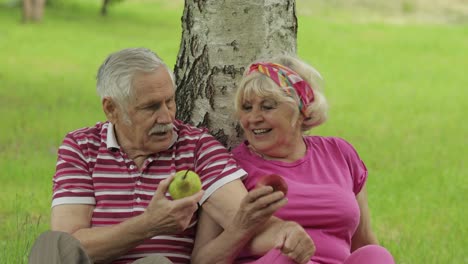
166	216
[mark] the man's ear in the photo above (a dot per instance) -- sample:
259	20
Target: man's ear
111	109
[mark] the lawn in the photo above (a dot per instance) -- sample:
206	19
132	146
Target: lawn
397	92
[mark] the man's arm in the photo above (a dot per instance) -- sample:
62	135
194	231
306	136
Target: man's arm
289	237
104	244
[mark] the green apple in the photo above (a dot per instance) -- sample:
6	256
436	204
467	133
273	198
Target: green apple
185	183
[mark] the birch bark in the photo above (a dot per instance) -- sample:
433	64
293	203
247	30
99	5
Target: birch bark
219	39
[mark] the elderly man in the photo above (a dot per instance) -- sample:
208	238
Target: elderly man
109	190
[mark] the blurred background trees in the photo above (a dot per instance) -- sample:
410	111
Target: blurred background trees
33	10
105	5
396	11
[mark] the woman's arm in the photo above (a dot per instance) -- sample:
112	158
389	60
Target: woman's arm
288	236
215	245
363	235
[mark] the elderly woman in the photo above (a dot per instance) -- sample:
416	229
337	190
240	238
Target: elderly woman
276	102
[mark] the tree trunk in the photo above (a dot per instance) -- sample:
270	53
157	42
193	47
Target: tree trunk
219	39
33	10
105	3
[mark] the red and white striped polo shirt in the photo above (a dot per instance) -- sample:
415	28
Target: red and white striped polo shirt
92	169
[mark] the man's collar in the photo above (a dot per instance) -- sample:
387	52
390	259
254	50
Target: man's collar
111	140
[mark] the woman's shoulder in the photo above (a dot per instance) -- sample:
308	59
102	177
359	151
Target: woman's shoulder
240	150
331	144
324	140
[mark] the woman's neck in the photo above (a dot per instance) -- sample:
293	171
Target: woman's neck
287	154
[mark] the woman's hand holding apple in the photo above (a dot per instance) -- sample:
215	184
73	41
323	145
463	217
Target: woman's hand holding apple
256	208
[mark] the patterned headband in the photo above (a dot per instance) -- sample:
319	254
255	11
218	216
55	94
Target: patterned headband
291	83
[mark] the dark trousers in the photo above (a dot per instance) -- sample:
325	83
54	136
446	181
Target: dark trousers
53	247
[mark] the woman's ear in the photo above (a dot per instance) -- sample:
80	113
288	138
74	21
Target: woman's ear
300	122
111	109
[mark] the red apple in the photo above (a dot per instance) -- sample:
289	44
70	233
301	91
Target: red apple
274	180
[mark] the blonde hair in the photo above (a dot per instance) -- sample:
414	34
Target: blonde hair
258	84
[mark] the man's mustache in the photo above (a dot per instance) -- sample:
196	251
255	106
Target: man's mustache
160	129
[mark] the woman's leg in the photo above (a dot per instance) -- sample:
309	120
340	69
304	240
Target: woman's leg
53	247
274	256
370	254
153	259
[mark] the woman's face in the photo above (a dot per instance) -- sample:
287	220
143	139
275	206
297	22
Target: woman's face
269	125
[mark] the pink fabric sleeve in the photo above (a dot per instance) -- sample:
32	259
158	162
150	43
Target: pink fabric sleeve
356	166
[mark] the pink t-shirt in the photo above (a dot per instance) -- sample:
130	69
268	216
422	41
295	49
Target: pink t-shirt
322	189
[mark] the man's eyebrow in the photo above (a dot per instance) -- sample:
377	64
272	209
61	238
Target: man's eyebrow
155	103
149	104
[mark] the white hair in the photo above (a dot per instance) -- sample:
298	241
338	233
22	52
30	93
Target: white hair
115	76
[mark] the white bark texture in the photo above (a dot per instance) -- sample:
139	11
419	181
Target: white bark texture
219	39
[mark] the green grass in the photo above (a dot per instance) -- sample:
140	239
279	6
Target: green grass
397	93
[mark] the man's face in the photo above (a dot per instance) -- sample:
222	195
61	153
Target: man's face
151	112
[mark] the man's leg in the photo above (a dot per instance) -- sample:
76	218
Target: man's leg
153	259
53	247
